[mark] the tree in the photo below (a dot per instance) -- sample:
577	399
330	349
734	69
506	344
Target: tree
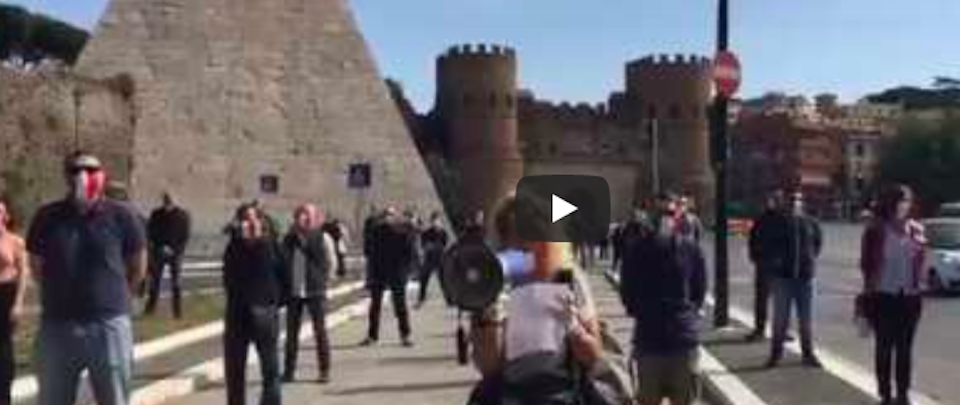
925	156
27	39
944	82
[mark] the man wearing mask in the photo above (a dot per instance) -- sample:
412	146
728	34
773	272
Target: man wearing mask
663	287
765	261
796	243
434	242
393	255
310	258
168	230
88	254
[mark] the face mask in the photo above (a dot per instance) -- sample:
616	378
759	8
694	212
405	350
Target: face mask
518	265
88	186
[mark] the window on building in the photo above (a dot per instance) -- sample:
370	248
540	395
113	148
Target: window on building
859	150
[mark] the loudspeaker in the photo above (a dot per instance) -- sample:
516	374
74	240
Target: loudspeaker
471	276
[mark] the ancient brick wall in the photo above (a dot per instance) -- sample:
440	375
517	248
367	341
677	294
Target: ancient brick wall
40	124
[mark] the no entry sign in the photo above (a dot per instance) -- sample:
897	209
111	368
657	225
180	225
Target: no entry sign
726	73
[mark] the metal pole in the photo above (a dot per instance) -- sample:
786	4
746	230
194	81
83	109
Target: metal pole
655	151
76	118
721	151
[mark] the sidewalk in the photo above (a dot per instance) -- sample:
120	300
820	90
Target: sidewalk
735	372
426	374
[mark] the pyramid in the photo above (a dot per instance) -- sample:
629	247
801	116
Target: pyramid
232	94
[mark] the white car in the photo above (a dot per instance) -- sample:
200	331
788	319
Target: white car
943	257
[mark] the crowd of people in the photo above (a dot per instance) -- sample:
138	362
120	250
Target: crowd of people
543	343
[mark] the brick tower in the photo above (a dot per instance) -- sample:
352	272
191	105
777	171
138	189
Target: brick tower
676	91
477	105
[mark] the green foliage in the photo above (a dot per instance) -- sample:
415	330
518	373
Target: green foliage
945	95
927	157
31	38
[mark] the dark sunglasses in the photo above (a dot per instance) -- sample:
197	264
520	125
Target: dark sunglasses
83	169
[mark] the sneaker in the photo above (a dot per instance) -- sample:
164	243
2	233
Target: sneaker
406	342
902	401
368	342
324	378
773	362
812	362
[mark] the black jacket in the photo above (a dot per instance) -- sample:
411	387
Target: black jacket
663	286
169	228
254	273
787	245
318	262
433	242
393	253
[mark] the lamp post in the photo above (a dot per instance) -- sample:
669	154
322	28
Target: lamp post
77	94
720	154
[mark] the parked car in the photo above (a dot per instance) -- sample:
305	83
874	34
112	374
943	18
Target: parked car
943	258
950	210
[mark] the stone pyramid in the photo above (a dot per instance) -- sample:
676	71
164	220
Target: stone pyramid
231	93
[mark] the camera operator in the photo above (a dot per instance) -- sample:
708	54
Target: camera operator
522	348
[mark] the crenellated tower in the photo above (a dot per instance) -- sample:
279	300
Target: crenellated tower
476	101
675	91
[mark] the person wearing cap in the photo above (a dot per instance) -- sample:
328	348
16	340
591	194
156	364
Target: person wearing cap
169	231
795	244
88	255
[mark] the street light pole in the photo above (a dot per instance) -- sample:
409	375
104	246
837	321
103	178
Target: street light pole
720	154
655	155
76	118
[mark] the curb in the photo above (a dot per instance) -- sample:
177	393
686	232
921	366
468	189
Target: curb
720	385
26	388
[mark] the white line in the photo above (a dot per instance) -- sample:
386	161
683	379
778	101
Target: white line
26	387
846	370
731	389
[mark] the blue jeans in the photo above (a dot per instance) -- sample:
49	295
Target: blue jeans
786	294
104	348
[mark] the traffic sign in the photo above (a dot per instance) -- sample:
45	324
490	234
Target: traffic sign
359	176
726	73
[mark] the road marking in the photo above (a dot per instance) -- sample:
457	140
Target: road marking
846	370
26	387
731	389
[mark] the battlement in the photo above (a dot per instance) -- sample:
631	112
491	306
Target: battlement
662	62
479	51
563	112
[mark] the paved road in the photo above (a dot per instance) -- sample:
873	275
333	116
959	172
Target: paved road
938	341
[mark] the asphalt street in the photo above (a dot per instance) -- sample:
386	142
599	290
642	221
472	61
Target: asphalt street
937	362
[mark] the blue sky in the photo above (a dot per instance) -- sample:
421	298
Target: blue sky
575	49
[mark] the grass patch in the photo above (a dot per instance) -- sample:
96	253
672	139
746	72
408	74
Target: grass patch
198	309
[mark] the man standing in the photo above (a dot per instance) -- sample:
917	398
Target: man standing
434	242
663	287
310	255
688	223
338	232
765	261
14	275
392	252
88	254
168	230
796	243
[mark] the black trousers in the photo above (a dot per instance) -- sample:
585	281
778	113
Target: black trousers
317	307
158	262
8	296
260	326
341	263
761	299
398	294
894	320
429	268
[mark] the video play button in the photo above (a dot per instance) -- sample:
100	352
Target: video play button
563	208
560	208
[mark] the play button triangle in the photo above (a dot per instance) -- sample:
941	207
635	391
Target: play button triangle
560	208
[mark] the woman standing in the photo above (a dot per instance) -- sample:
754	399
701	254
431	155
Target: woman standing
253	275
13	285
892	263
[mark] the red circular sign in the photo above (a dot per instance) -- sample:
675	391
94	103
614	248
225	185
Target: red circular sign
726	73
